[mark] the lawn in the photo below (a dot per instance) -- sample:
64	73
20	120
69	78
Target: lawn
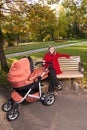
80	50
36	45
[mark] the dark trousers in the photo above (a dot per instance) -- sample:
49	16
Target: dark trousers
53	81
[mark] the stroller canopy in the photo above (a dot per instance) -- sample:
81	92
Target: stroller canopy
20	70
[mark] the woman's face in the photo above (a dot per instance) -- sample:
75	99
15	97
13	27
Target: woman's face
52	50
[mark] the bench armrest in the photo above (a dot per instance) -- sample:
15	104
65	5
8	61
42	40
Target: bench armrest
81	67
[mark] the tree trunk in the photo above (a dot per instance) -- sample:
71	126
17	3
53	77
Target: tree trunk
3	61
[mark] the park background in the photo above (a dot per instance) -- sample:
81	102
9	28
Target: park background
30	24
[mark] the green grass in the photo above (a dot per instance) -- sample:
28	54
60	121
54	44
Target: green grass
80	50
36	45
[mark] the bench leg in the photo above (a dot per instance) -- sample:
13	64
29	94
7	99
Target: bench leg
72	84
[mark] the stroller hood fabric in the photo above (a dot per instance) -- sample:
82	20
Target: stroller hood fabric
19	71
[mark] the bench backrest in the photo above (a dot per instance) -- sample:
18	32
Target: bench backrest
65	63
69	64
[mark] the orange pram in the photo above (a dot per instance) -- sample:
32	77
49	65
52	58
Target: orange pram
26	83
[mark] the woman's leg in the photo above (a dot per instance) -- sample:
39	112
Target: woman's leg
53	77
51	85
53	81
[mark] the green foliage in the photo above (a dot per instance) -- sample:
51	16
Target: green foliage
76	13
43	22
37	22
48	1
63	23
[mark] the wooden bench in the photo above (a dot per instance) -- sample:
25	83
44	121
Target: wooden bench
71	69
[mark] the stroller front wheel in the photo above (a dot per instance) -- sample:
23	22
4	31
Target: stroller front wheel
7	106
49	99
12	115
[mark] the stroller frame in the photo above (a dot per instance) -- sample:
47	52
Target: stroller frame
31	95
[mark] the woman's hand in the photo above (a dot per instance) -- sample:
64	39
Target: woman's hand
71	58
44	62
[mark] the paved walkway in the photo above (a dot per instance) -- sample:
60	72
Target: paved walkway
4	124
69	112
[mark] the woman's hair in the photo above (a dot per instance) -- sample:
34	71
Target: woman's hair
50	47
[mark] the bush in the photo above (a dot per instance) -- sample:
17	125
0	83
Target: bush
11	43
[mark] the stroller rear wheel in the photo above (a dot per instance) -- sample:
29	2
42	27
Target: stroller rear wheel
12	114
49	99
7	106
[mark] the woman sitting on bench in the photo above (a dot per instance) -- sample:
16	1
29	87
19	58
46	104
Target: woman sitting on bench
54	69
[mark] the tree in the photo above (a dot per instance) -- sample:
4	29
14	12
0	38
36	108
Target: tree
9	10
4	65
2	54
42	22
45	2
7	7
63	23
77	13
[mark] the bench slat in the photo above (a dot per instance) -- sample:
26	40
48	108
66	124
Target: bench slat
70	74
69	64
64	69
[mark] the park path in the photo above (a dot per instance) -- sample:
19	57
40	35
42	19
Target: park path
40	50
69	112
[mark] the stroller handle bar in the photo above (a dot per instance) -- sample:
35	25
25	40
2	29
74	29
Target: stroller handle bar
43	62
45	69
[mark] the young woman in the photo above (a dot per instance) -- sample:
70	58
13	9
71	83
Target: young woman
54	68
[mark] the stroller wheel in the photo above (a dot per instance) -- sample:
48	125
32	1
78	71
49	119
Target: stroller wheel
12	114
43	97
49	99
7	106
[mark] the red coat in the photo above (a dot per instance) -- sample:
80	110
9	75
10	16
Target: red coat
54	59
